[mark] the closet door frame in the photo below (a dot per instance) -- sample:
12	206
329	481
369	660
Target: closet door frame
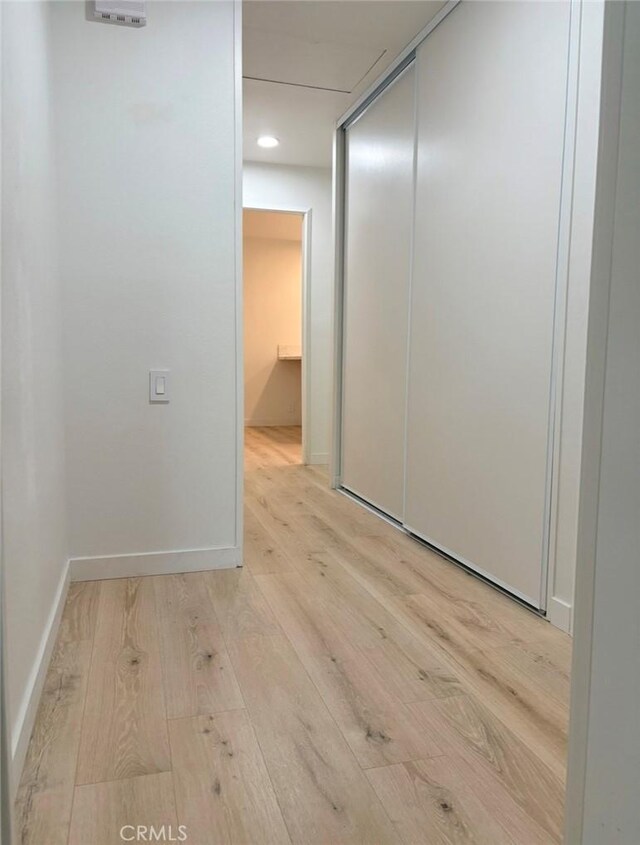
575	224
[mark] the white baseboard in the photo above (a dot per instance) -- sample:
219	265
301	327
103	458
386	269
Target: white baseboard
154	563
25	720
560	614
271	423
319	458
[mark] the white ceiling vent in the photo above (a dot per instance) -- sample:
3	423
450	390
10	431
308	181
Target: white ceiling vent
123	12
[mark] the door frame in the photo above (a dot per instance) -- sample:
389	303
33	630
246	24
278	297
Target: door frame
305	316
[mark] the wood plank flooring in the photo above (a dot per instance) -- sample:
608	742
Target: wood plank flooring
346	686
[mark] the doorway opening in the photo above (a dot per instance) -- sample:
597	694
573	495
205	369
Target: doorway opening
274	282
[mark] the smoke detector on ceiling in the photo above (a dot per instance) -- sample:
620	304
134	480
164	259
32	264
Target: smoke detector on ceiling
122	12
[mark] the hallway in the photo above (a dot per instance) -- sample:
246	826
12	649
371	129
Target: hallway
346	685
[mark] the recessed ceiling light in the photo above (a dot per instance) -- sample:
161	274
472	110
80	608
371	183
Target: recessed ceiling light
267	141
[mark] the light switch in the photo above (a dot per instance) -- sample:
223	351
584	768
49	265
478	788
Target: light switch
158	386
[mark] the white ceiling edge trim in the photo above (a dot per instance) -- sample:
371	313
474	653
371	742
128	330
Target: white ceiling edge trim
381	82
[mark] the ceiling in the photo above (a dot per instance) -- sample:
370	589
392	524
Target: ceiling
306	61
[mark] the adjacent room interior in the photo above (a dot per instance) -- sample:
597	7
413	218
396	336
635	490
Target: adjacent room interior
273	297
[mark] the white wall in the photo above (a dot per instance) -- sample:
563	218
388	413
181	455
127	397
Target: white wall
303	188
146	136
272	317
604	749
34	523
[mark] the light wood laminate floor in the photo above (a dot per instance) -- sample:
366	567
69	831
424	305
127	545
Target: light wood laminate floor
346	686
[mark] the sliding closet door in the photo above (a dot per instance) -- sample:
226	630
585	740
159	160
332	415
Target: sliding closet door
491	107
379	208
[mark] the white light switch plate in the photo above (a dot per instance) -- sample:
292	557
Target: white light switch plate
159	386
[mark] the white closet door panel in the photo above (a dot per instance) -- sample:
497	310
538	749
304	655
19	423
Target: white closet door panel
379	208
491	106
